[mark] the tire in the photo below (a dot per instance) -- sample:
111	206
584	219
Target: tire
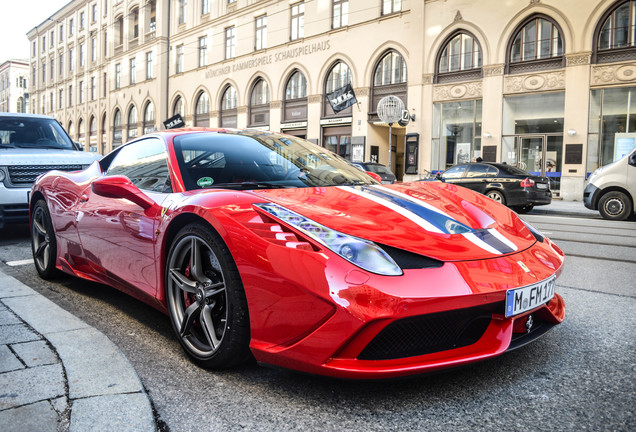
615	205
497	196
206	300
43	241
523	209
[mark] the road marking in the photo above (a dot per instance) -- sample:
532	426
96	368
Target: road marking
20	263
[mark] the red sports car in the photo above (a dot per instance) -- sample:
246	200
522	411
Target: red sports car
261	244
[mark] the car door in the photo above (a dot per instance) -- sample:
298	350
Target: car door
117	235
479	176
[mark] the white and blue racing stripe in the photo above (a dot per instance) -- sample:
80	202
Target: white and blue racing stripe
432	219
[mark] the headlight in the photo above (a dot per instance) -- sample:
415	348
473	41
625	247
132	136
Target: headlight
535	232
362	253
2	174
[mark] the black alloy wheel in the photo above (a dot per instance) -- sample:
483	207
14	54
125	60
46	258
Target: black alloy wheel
615	205
205	298
43	242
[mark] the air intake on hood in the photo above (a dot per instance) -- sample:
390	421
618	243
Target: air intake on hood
410	260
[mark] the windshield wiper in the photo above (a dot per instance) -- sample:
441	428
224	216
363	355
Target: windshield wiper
250	185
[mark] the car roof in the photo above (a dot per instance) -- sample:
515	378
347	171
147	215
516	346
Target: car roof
25	115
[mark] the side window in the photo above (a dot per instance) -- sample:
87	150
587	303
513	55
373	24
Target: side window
145	163
479	171
454	172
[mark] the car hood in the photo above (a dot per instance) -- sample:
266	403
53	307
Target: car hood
439	220
41	156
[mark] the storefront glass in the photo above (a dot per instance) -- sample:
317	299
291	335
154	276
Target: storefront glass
612	128
456	133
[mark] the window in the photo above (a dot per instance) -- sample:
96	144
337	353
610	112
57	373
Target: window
298	21
259	103
178	107
182	11
117	129
205	7
137	160
61	64
70	59
133	71
43	71
261	33
81	92
81	55
536	45
230	41
456	133
296	86
94	12
43	43
52	74
52	38
340	13
70	95
93	84
462	52
295	103
60	99
119	31
132	122
104	84
149	65
92	130
94	49
61	33
71	27
202	110
135	23
339	76
82	20
203	51
118	75
615	37
34	50
179	67
391	6
149	118
51	102
80	131
229	103
481	171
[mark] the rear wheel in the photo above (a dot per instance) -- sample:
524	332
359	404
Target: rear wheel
495	195
205	298
615	205
43	242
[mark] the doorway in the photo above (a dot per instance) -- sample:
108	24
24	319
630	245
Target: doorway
541	155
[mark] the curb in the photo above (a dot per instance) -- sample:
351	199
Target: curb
59	373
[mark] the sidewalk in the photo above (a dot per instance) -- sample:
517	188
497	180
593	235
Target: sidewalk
57	373
566	208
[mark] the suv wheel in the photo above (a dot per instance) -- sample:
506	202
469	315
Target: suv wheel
615	205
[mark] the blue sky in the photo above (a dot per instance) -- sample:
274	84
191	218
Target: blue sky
17	18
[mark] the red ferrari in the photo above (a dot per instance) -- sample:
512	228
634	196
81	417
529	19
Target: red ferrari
265	245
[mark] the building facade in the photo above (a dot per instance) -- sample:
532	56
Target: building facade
543	84
14	96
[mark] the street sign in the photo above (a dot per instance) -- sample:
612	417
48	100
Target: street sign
174	122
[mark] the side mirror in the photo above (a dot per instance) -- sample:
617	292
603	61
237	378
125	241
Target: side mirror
632	159
374	176
121	187
438	176
78	146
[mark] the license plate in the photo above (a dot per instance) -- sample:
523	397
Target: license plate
520	300
542	185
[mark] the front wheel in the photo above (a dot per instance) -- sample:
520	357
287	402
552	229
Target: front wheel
43	242
495	195
615	205
206	300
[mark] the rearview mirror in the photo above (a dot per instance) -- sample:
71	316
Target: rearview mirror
121	187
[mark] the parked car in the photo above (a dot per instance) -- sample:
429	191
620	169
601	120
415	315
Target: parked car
31	145
612	189
506	184
265	245
386	176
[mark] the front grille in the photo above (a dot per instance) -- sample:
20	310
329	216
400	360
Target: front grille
26	174
426	334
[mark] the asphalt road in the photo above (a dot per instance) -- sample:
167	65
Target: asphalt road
580	376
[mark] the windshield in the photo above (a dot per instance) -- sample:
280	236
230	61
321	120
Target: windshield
254	159
33	132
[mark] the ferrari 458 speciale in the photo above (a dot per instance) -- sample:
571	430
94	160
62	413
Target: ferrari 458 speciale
258	244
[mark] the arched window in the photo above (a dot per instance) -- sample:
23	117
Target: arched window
459	59
178	107
615	36
71	130
202	110
229	103
102	132
537	44
92	132
117	129
20	105
80	131
259	103
389	78
149	118
338	77
132	122
295	102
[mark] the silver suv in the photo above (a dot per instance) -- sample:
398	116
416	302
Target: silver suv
31	145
